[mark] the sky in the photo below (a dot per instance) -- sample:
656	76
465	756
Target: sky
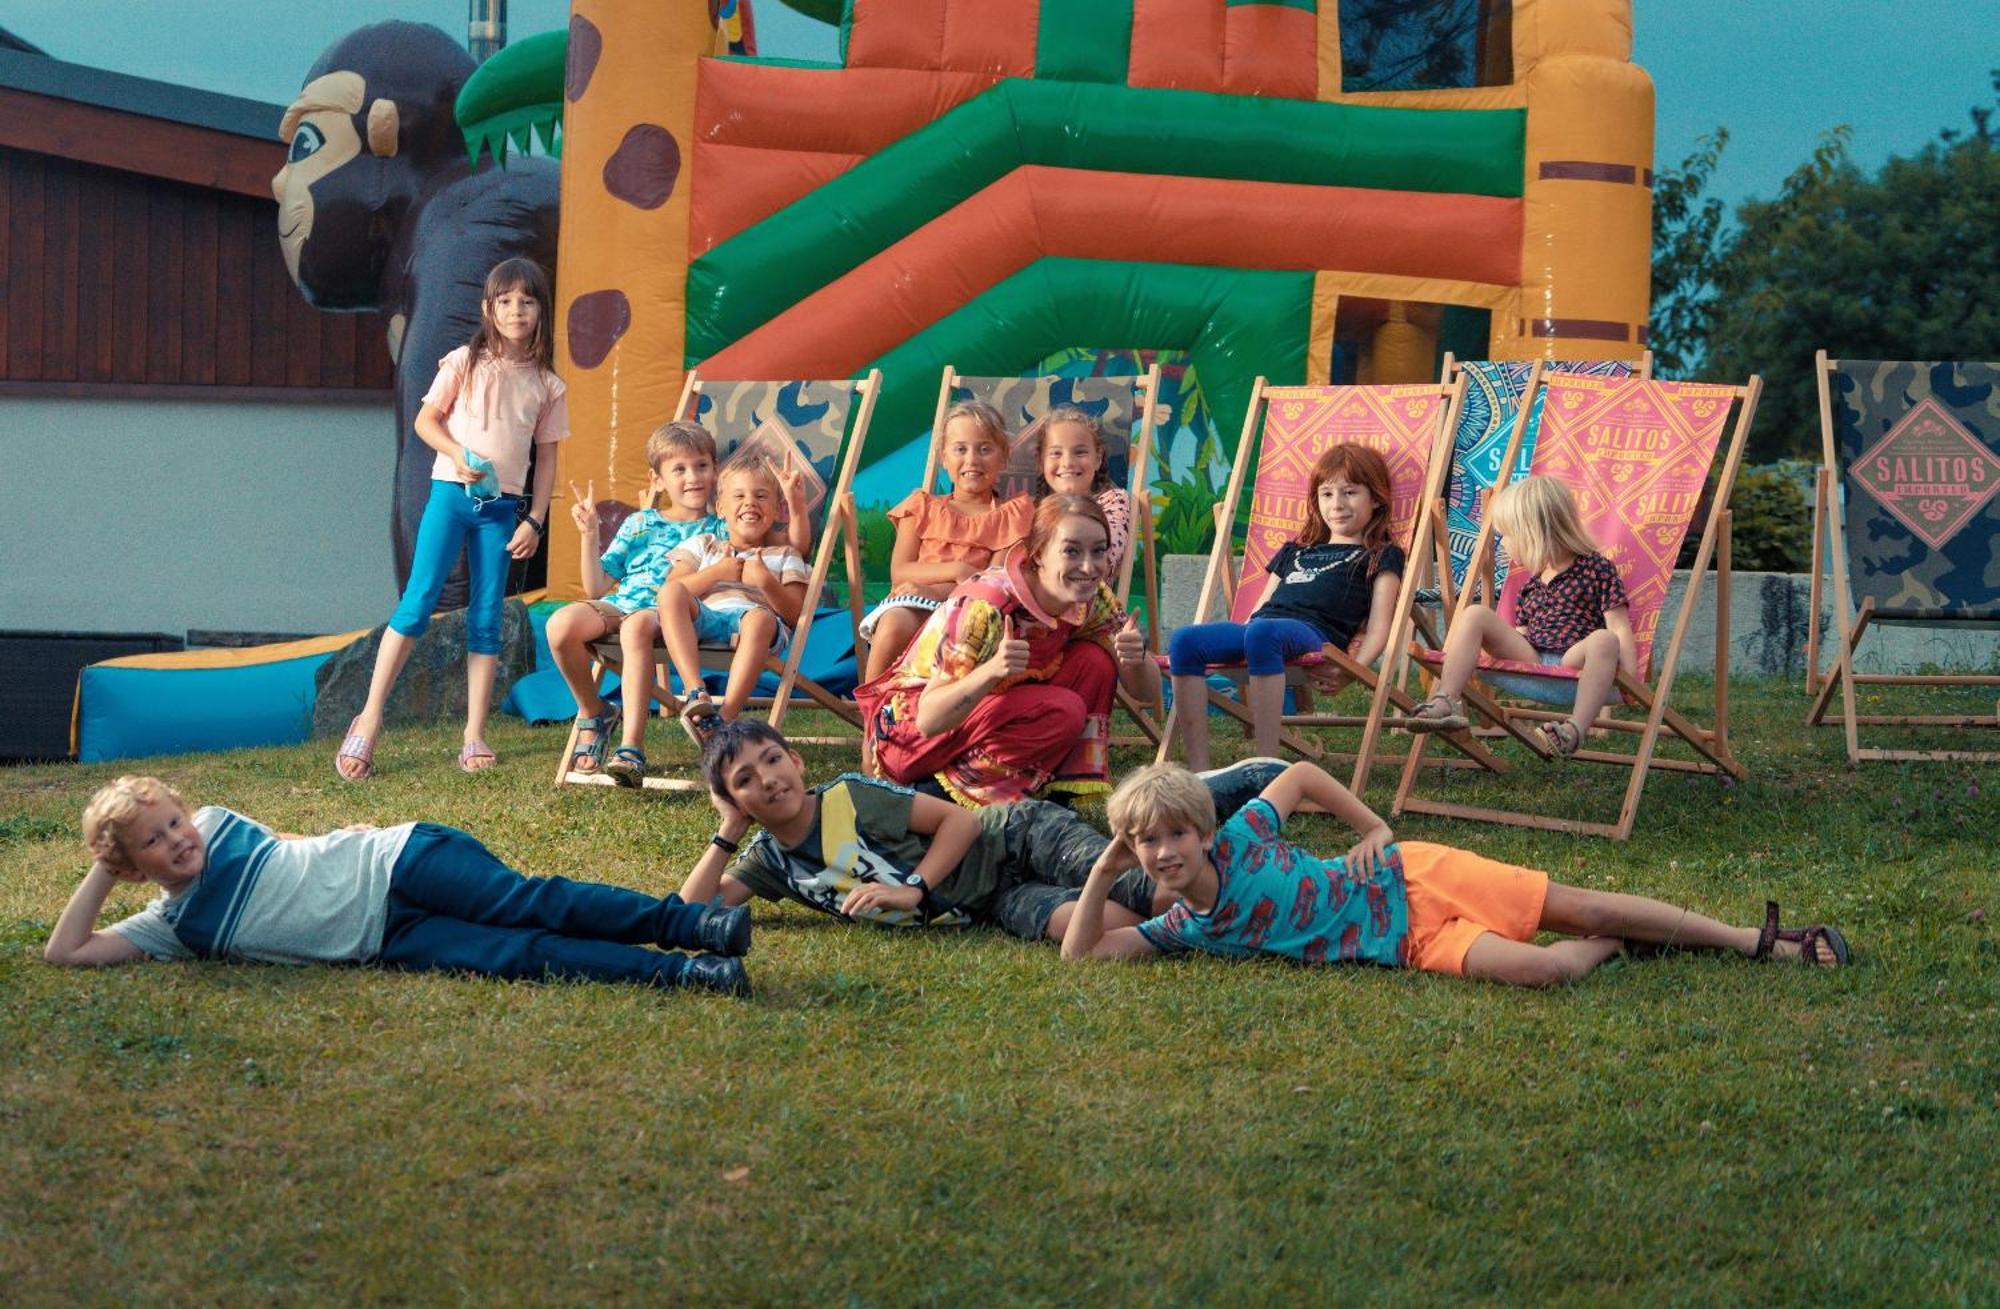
1777	73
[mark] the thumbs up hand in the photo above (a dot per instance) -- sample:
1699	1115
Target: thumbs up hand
1129	644
1010	657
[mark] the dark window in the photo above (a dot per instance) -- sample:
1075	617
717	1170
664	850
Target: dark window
1425	45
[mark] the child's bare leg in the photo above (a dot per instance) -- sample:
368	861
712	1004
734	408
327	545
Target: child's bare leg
1475	628
1493	958
1191	716
1266	694
753	641
635	647
1574	911
677	613
390	657
893	632
481	671
1596	656
570	633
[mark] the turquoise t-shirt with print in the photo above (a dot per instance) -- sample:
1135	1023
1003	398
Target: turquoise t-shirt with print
639	556
1274	898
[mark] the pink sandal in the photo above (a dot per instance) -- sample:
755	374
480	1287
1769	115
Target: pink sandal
359	748
476	750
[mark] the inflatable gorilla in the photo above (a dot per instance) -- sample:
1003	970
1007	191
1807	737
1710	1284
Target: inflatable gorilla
379	208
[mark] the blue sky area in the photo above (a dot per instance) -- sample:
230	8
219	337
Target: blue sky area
1777	73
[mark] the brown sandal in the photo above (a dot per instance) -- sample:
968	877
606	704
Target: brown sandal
1808	939
1561	737
1440	713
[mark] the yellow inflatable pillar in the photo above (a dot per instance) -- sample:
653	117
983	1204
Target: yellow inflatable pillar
1403	348
622	256
1586	275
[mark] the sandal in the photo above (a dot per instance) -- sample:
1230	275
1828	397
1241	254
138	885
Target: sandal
1440	713
627	766
1808	939
700	718
1561	737
588	757
471	752
357	747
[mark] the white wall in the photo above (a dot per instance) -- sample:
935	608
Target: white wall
165	515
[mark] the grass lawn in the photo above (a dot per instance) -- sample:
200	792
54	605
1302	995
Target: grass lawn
960	1118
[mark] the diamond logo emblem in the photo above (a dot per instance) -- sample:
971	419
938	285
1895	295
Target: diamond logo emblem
1930	472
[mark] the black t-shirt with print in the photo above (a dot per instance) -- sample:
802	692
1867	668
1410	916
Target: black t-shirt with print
1328	586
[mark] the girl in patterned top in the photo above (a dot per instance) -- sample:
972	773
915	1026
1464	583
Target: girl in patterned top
1572	612
1074	462
1336	580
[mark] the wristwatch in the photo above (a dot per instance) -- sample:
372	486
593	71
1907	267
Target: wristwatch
724	844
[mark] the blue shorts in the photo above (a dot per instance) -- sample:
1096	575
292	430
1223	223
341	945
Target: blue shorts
717	629
1542	690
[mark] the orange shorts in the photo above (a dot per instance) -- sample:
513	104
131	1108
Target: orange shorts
1455	895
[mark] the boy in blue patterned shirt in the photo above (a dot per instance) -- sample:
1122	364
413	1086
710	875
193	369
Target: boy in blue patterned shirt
1243	889
626	580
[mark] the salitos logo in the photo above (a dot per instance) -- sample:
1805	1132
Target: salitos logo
1930	472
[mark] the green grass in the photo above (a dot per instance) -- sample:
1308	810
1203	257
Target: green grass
963	1119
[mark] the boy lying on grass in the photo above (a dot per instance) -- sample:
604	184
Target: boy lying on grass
1243	889
873	851
416	896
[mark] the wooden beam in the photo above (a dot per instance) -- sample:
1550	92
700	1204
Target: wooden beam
110	138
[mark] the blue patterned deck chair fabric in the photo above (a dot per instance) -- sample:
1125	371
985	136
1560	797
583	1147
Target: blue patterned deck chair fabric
1918	446
1492	400
1114	402
814	415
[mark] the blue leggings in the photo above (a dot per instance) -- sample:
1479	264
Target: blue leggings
454	905
1263	645
452	519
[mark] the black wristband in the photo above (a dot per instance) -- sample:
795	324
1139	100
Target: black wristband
723	843
536	523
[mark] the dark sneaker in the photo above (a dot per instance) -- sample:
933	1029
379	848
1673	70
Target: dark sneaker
717	973
1239	784
725	931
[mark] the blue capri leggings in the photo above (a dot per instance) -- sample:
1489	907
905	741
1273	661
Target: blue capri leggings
1263	645
453	519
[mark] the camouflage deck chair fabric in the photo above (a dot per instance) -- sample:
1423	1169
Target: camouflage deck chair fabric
1907	512
817	428
1493	391
1123	408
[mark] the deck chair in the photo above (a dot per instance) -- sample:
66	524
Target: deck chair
1905	506
1485	424
827	423
1288	427
1127	410
1636	453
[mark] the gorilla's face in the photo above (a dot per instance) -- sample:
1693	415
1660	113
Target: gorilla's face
330	194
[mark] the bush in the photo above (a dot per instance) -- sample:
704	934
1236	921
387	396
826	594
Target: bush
1773	509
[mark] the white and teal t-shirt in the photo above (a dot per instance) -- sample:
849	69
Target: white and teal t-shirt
320	899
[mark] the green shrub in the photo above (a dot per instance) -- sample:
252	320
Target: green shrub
1773	518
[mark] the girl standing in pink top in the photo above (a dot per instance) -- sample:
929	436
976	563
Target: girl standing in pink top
494	399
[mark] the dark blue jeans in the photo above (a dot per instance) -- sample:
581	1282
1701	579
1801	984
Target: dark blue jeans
1263	645
454	906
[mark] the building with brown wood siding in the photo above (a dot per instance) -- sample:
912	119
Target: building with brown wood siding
186	444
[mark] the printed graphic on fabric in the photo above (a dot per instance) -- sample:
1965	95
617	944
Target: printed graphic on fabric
849	863
775	446
1931	473
1635	455
1023	401
1399	422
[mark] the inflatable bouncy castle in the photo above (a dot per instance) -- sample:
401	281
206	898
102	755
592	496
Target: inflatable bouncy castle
1300	189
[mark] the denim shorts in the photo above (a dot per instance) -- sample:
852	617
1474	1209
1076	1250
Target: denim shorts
1542	690
717	629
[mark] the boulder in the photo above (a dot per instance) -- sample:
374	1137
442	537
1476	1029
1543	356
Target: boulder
432	687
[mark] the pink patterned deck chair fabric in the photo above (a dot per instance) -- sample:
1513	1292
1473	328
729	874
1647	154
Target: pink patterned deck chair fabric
1635	455
1918	446
1398	422
1493	393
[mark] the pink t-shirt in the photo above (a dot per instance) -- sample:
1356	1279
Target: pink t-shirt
506	407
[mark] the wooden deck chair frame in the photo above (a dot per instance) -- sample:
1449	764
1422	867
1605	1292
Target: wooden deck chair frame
1223	575
1829	538
795	689
1710	742
1138	489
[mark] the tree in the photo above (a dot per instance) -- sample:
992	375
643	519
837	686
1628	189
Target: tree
1687	245
1901	265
